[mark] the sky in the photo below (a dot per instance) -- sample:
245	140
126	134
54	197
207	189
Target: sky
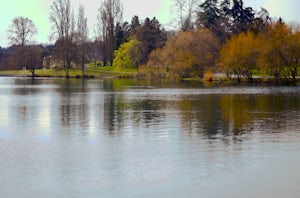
38	12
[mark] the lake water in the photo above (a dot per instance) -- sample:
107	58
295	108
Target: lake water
124	138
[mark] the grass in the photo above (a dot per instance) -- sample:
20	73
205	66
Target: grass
75	73
12	72
108	72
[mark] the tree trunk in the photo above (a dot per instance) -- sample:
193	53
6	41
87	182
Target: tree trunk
294	74
66	69
33	73
82	66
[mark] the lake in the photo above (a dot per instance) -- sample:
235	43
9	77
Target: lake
125	138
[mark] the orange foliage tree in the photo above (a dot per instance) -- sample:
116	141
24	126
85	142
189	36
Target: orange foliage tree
188	54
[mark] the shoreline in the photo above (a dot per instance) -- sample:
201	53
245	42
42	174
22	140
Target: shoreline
217	78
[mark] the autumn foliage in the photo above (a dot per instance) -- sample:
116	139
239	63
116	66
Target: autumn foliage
280	51
275	52
187	54
212	36
239	55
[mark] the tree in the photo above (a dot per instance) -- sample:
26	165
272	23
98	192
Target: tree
21	31
32	58
239	55
208	14
15	57
280	51
94	52
188	54
213	16
126	55
150	36
185	13
156	63
227	17
292	54
61	57
110	14
242	16
29	57
82	38
4	59
21	34
63	21
273	44
122	33
261	21
135	23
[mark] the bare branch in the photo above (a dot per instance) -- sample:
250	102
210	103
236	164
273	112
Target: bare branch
110	14
21	31
184	13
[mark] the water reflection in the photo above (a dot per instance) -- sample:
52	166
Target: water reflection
72	106
212	116
147	111
108	137
111	115
200	114
244	112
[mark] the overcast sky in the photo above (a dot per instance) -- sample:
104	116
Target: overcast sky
38	11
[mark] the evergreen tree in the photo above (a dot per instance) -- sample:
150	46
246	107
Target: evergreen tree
228	17
151	36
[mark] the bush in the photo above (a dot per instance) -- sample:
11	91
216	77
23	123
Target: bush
208	76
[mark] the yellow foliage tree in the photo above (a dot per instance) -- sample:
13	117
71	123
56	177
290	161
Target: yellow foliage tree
273	45
239	55
292	54
280	51
187	54
275	51
126	55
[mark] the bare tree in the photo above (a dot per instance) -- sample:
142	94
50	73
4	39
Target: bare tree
110	14
21	34
62	17
21	31
32	58
29	57
82	37
184	13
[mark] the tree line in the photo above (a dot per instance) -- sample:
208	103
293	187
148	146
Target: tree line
227	36
211	35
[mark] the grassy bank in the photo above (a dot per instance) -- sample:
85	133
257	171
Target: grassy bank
73	73
108	72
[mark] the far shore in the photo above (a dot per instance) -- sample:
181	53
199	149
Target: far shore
73	73
97	73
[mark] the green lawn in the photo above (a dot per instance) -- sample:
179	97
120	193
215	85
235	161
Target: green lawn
12	72
90	72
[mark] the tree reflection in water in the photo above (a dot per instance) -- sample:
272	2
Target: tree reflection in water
230	117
